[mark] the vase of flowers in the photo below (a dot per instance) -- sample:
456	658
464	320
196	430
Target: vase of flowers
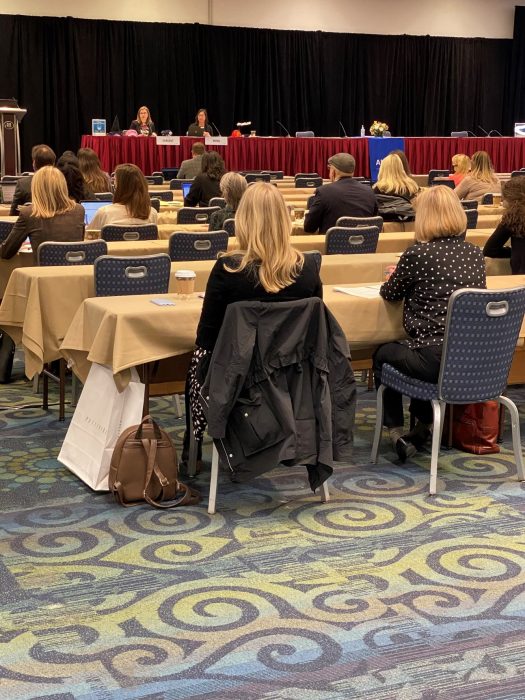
378	128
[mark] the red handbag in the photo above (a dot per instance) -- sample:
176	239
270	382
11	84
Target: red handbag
475	427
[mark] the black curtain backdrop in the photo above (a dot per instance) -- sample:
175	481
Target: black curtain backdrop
66	71
515	111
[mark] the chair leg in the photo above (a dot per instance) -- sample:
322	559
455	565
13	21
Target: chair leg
439	415
370	380
62	389
178	409
145	406
379	424
325	493
36	384
45	389
516	439
76	389
192	451
214	480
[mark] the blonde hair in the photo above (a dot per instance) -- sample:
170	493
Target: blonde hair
392	178
439	214
49	195
481	167
461	162
263	228
233	187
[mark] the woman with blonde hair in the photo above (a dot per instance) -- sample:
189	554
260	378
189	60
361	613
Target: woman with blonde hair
233	187
481	179
96	179
51	216
461	165
425	277
265	268
393	181
131	201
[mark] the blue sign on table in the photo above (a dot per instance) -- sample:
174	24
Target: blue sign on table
378	148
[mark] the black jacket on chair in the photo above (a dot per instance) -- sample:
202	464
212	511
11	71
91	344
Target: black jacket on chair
280	389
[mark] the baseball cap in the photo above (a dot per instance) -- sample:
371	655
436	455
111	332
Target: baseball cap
343	162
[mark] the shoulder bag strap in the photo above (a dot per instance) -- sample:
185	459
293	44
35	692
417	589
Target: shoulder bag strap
189	497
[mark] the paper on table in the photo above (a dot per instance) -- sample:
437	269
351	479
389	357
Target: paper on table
370	291
163	302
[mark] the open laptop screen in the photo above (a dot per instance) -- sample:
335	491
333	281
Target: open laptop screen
185	189
91	209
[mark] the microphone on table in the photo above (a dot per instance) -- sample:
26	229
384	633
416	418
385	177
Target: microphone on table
342	127
283	126
470	133
495	131
216	128
486	133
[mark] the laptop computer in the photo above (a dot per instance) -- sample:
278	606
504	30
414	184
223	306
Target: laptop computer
186	188
91	209
519	129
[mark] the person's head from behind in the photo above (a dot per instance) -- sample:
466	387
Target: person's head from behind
131	189
404	160
341	165
392	178
213	165
76	185
49	195
68	157
42	156
481	166
143	115
197	149
461	163
201	117
514	199
233	187
439	214
88	160
263	228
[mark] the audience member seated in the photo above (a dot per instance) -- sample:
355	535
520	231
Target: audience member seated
425	277
265	268
511	226
480	180
143	124
96	179
52	215
68	157
233	187
461	166
200	126
343	196
41	155
404	160
131	201
393	181
207	184
76	185
193	166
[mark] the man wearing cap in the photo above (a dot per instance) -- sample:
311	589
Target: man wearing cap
344	196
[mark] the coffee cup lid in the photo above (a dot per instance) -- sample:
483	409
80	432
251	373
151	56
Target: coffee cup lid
185	274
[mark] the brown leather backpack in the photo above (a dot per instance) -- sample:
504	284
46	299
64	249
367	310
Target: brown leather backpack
144	468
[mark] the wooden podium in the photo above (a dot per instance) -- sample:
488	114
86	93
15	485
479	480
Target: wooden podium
10	116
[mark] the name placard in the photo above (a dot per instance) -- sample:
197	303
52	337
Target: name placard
216	140
168	140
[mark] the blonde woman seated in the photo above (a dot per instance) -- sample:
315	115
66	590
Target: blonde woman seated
52	215
461	166
424	278
131	201
265	268
233	187
393	180
481	180
95	178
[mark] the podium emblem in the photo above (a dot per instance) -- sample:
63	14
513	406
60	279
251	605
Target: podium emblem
8	124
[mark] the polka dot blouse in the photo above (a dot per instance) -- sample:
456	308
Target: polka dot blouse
425	277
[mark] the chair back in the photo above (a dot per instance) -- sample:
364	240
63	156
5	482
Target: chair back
154	179
304	134
104	196
169	173
308	181
432	174
445	181
469	203
275	174
130	232
164	195
217	202
340	239
306	175
459	134
487	198
481	333
195	215
70	253
257	177
155	203
118	276
517	173
197	246
359	221
176	184
5	229
472	217
229	227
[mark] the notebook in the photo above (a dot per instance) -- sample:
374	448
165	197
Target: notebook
91	209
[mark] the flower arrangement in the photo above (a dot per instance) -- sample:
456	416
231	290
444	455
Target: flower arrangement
378	128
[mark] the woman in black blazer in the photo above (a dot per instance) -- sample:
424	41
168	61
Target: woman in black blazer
143	124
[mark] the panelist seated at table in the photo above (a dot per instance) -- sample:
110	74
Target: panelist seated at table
480	180
207	183
143	124
426	275
200	126
131	201
193	166
511	227
233	187
41	155
52	215
343	196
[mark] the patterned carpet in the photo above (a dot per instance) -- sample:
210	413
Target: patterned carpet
383	593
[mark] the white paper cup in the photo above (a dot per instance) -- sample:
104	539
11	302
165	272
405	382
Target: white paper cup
185	281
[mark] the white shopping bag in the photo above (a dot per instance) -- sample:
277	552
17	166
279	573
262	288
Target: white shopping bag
102	413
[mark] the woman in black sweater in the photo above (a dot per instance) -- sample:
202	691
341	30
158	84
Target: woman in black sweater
207	183
511	227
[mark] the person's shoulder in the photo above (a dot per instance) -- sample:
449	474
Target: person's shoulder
25	210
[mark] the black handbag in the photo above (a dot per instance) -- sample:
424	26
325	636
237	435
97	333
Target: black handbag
7	353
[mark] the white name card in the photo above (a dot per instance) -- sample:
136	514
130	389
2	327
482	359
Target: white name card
216	140
168	140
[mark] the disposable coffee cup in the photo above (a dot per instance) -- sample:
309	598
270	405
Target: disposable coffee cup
299	213
292	213
91	235
184	281
496	200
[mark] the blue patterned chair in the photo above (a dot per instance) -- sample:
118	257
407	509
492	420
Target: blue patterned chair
359	221
104	196
275	174
469	203
432	174
306	175
308	181
197	246
80	253
155	204
257	177
229	227
517	173
340	239
195	215
472	218
130	232
5	229
488	198
482	329
164	195
176	184
217	202
118	276
154	179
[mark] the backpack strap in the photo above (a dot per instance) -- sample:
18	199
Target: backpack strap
189	497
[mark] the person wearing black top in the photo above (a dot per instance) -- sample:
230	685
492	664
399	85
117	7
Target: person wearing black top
200	126
207	183
511	227
42	155
143	124
425	277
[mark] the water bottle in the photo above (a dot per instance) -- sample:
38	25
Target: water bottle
362	130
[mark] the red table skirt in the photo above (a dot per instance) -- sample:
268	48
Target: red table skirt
295	155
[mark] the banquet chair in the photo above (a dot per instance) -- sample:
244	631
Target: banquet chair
304	134
197	246
275	174
176	184
104	196
229	226
306	175
5	229
257	177
469	203
154	179
195	215
308	181
217	202
481	332
472	217
459	134
432	174
130	232
359	221
341	239
164	195
169	173
487	198
517	173
155	203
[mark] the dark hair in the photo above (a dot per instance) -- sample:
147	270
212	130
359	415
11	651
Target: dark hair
43	155
132	191
404	160
198	148
202	109
76	186
213	165
67	157
514	196
89	164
